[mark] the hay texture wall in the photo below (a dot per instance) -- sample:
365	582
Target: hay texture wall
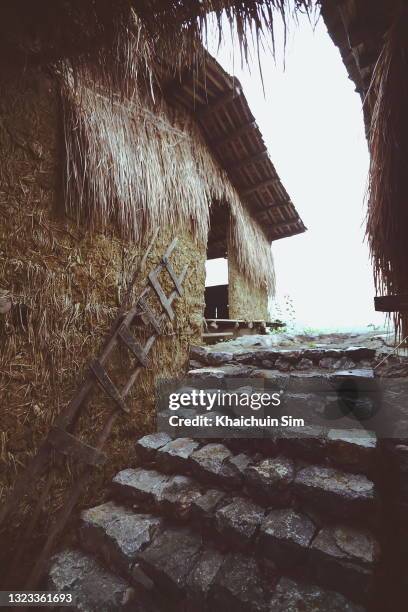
66	286
245	300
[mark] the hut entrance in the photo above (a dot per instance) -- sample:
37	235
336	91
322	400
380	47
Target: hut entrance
216	282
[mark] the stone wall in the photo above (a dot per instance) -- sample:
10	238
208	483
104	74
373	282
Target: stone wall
245	301
66	287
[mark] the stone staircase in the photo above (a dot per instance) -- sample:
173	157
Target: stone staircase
279	525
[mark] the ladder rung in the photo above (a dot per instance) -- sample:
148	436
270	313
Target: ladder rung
134	347
148	313
107	385
172	275
67	444
163	299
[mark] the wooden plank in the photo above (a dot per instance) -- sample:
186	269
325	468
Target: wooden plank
253	188
237	133
134	347
68	445
163	299
248	161
149	316
107	385
215	105
218	335
391	303
172	275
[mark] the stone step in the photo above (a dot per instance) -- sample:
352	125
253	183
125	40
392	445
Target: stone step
93	588
117	534
189	572
275	480
354	450
289	537
284	359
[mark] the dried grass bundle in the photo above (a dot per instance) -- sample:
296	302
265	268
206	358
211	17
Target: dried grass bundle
252	250
139	164
387	222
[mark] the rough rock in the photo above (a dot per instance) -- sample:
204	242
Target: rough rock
147	446
304	364
270	479
238	521
238	586
178	495
338	493
117	534
352	448
285	537
93	588
203	509
209	463
201	579
238	464
170	558
344	559
175	454
139	485
291	596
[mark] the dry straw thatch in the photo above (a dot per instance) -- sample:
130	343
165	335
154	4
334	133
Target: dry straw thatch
138	164
387	224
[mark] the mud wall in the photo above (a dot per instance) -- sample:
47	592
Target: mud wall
245	301
66	287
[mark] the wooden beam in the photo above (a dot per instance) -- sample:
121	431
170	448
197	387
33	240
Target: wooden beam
237	133
246	192
273	226
391	303
273	206
287	234
215	105
247	161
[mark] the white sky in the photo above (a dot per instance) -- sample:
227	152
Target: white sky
312	123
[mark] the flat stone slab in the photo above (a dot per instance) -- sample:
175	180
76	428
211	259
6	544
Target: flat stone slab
291	596
174	455
285	537
170	558
117	533
238	521
93	588
345	559
209	463
139	485
147	446
338	493
238	586
352	448
270	479
178	495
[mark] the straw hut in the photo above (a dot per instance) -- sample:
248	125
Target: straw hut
108	134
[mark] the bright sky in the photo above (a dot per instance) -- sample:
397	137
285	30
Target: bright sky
311	119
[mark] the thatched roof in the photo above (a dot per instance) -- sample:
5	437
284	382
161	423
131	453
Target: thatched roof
162	167
373	41
217	101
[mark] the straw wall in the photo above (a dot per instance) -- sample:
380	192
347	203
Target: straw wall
66	286
245	300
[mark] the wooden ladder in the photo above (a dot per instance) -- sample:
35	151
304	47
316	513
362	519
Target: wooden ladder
61	440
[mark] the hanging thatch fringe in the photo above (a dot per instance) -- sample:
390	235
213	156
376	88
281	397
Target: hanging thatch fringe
137	165
252	250
387	223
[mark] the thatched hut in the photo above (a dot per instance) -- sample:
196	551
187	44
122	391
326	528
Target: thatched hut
108	134
373	42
